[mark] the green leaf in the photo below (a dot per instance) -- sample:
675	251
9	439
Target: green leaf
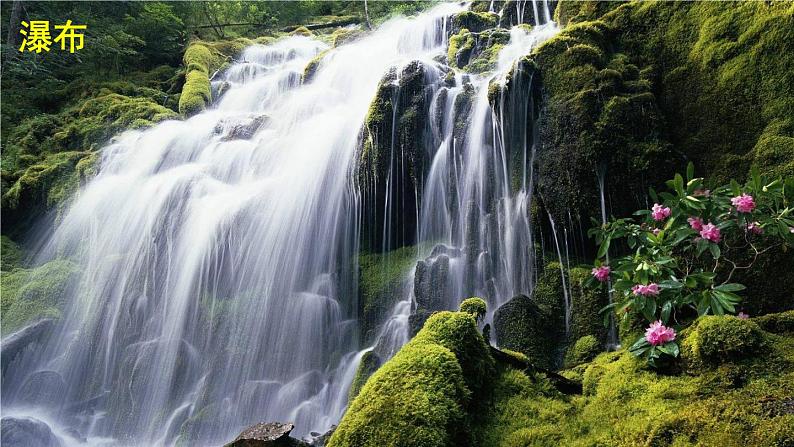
715	250
678	181
666	309
731	287
669	348
670	284
640	344
603	248
690	171
652	193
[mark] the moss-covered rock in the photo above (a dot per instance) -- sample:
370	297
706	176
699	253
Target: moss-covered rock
778	323
474	21
476	52
584	350
383	278
31	294
370	362
312	66
421	396
12	255
201	61
713	340
393	143
524	326
475	307
626	404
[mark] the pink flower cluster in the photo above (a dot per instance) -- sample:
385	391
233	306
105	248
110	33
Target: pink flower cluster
695	223
659	334
601	273
742	316
755	228
659	212
710	232
651	289
743	203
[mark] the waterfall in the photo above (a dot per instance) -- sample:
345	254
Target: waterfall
217	256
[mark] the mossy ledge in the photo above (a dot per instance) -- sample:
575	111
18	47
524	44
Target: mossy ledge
424	395
201	61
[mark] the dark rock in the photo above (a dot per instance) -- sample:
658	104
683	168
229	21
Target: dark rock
42	387
16	343
521	325
26	432
270	434
320	440
441	249
243	130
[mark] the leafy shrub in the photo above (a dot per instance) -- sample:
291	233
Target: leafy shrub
685	251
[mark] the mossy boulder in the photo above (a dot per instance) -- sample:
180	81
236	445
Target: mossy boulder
476	52
713	340
12	255
201	61
35	293
474	21
584	350
475	307
421	396
522	325
777	323
370	362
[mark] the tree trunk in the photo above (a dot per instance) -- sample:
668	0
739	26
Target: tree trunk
14	25
366	15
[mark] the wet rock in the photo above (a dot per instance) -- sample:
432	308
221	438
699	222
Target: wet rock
26	432
320	440
42	387
521	325
244	130
270	434
441	249
16	343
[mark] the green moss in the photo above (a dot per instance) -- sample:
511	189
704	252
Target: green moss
420	397
584	350
475	21
460	46
11	254
311	67
382	277
201	60
718	339
370	362
30	294
778	323
301	31
587	302
474	306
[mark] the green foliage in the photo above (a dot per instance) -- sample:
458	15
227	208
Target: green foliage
474	306
30	294
584	350
475	21
420	397
673	270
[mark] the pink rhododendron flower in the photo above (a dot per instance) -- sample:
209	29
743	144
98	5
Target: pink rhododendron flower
659	212
601	273
742	316
651	289
755	228
656	231
695	223
791	230
743	203
710	232
659	334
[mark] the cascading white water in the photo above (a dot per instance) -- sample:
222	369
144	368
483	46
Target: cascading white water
217	257
475	211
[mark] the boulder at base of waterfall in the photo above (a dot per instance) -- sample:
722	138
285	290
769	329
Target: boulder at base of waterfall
267	434
26	432
522	325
